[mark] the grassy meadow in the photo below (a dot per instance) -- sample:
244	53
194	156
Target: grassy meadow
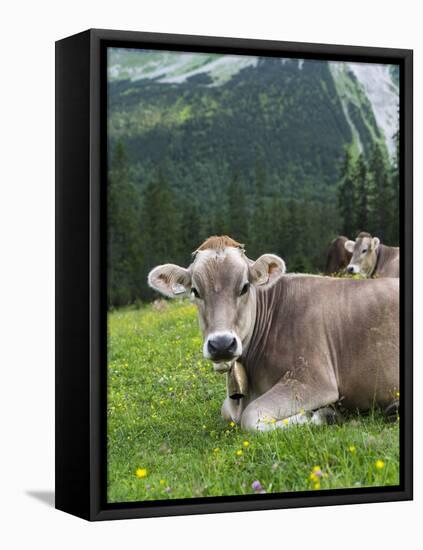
166	438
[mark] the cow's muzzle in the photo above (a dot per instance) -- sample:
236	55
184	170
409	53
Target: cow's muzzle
352	269
222	346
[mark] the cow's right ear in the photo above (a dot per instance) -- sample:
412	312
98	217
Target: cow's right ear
266	269
375	243
349	245
170	280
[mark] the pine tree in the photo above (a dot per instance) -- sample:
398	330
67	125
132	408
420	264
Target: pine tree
237	221
346	196
380	196
159	227
219	225
361	185
278	215
190	233
395	190
260	227
298	235
124	246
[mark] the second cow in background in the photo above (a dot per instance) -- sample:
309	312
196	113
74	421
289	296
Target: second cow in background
370	258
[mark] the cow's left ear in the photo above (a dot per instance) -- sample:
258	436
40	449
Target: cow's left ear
266	269
375	243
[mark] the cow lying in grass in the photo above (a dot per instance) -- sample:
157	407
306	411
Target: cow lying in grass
372	259
301	349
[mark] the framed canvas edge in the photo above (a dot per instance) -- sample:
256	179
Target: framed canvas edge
97	509
255	45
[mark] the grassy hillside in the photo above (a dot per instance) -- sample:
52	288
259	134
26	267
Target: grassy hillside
166	438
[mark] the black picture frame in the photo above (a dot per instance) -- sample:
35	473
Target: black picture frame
81	335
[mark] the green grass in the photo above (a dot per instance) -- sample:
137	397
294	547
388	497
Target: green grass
164	416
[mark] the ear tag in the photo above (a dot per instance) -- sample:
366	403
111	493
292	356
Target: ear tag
178	289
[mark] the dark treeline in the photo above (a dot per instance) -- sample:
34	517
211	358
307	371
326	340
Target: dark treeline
163	225
368	195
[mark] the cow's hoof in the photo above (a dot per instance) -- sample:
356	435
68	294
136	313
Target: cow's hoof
392	412
326	415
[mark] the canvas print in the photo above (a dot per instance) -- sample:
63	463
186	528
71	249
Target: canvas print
252	275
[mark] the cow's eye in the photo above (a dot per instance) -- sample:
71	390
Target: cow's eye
364	250
195	292
245	289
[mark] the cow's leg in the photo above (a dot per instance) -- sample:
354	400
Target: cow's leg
232	409
227	410
289	403
327	415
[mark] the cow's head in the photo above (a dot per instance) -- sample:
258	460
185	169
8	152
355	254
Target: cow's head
364	254
222	282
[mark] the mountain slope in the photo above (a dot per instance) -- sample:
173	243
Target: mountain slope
271	113
246	146
369	97
368	92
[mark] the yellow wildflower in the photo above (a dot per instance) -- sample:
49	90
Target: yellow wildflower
352	449
239	452
285	421
316	485
232	424
162	482
246	443
141	472
316	474
379	464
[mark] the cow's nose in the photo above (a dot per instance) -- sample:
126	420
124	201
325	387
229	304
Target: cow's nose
222	346
350	269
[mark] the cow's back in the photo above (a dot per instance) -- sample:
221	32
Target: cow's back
388	263
316	329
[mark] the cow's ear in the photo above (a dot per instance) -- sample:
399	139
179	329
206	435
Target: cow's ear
266	269
349	245
170	280
375	243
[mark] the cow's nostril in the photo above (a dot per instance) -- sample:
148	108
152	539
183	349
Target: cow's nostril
211	347
232	345
350	269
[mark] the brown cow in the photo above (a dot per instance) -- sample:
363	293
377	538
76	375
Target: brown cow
300	350
372	259
338	257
